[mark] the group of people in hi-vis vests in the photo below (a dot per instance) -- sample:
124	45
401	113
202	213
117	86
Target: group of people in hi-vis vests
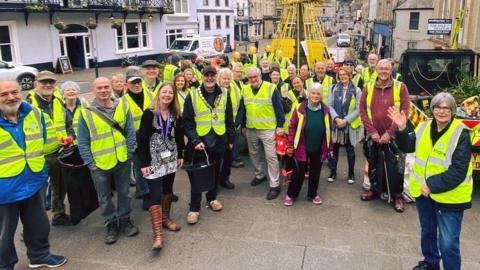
142	124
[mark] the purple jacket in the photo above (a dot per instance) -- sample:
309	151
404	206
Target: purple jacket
301	151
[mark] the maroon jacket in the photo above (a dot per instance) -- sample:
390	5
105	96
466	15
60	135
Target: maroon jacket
382	100
301	151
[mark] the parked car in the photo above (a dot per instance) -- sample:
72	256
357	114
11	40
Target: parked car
328	33
343	40
24	75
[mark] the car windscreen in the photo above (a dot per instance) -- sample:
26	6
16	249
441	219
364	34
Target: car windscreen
181	45
343	36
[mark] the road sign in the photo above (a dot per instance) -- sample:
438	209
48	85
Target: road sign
240	13
439	26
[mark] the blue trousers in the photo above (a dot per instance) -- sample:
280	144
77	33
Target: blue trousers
440	238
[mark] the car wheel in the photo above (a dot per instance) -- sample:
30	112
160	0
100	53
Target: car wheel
26	81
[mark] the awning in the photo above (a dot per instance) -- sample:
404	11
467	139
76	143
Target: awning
382	29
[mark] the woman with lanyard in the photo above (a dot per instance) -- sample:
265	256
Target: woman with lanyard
160	146
181	88
344	101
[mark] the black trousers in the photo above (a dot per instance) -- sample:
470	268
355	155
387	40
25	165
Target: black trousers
36	229
159	187
314	165
196	198
333	161
384	169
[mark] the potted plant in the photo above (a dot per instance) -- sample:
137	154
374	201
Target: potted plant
130	8
116	24
36	7
60	25
91	24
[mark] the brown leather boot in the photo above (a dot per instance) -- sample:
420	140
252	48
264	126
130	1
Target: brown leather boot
156	219
166	221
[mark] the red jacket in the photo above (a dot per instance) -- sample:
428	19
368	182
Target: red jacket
301	151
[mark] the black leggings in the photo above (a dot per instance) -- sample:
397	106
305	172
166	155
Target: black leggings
160	186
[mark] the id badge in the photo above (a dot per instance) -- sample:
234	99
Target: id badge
165	154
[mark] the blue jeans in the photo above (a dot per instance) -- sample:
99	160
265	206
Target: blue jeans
101	179
141	183
440	238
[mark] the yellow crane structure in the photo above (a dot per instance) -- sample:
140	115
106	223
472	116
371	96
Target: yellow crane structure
301	22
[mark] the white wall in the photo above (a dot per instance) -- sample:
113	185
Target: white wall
214	11
402	35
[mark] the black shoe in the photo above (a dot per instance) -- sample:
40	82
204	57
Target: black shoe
273	193
111	233
126	226
174	198
227	184
423	265
146	202
257	181
332	176
62	220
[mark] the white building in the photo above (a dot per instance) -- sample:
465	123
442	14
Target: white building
183	22
216	18
241	13
410	26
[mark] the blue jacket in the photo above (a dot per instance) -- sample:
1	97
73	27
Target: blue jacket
27	183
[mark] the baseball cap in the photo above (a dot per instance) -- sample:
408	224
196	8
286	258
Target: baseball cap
209	69
133	75
350	62
46	75
150	63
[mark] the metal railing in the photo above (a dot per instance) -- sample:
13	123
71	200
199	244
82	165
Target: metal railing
127	5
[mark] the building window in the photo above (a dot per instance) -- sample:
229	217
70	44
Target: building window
227	3
205	2
412	45
6	43
218	21
133	36
323	10
414	20
207	22
217	3
181	6
227	21
173	34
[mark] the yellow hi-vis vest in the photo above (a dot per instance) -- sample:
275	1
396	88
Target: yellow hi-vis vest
327	84
198	74
283	62
13	159
235	97
206	118
371	88
269	56
155	90
357	122
291	96
56	125
283	74
435	159
135	110
356	79
169	73
301	119
107	144
259	107
254	60
181	96
367	77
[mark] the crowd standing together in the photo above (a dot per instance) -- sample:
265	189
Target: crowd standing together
140	124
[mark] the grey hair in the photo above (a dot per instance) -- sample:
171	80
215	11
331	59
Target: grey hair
70	84
444	97
292	66
223	72
316	86
256	70
384	61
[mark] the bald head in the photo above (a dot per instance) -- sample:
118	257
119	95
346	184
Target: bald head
102	89
10	98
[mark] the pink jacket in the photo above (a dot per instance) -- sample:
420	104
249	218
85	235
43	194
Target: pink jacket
301	151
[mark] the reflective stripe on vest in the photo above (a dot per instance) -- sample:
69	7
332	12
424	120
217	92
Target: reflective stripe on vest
181	96
356	79
300	126
357	122
370	90
435	159
155	90
205	118
56	127
235	96
107	144
293	99
13	159
259	107
327	84
135	110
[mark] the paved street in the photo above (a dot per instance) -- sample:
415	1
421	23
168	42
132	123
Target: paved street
252	233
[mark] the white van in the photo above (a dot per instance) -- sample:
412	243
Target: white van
207	47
